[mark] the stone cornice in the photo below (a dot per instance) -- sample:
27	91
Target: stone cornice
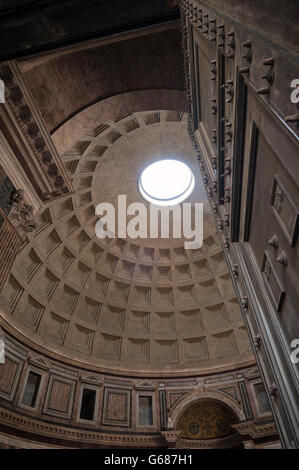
171	437
26	129
22	217
222	443
256	429
32	425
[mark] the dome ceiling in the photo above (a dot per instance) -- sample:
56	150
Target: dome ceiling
131	304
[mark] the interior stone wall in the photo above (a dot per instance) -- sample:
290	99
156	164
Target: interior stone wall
10	239
55	418
6	190
66	85
244	125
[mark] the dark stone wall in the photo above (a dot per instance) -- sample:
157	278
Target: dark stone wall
6	191
278	20
41	25
70	83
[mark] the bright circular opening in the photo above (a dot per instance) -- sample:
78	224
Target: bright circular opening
166	182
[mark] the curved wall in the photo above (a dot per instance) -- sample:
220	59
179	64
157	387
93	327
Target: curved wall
54	418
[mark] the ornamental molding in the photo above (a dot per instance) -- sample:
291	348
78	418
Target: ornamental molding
22	216
92	379
29	136
221	443
256	429
145	385
171	437
201	394
28	424
39	361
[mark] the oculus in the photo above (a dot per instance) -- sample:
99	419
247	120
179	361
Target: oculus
166	182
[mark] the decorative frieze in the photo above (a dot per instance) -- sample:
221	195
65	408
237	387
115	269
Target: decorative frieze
255	430
21	216
171	437
24	124
285	210
272	282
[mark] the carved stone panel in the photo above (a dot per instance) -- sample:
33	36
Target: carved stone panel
116	407
9	376
272	283
60	396
285	210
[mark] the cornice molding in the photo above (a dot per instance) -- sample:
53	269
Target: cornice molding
256	429
27	134
222	443
34	426
22	216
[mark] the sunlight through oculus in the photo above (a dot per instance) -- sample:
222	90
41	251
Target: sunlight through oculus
166	182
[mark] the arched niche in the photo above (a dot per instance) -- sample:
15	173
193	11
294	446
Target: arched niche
206	419
225	408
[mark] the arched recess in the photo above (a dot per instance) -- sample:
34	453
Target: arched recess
111	108
205	419
201	396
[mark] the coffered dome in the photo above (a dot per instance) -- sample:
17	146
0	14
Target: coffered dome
121	303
